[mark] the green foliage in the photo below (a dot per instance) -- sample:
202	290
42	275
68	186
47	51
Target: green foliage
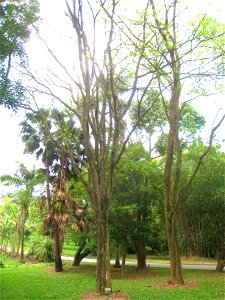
41	248
190	120
136	206
203	213
210	34
23	177
8	221
150	112
41	129
16	18
209	29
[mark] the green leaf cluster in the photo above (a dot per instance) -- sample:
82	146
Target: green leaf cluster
16	19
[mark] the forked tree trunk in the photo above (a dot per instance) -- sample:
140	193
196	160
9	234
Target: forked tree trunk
172	173
176	273
104	281
57	252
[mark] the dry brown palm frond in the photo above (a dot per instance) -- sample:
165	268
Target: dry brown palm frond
79	211
60	194
74	227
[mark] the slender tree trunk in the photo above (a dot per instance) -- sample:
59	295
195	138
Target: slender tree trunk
47	179
104	281
22	241
124	253
57	252
150	142
117	260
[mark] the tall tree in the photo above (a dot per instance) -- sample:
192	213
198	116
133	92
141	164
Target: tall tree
174	67
99	100
136	200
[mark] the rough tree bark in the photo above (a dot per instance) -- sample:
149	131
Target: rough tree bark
141	251
57	251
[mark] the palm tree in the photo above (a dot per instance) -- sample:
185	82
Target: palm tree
35	136
47	141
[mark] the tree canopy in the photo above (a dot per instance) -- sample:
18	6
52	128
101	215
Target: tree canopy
16	19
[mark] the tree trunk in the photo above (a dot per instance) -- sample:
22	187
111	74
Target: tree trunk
141	252
22	241
172	172
123	261
142	214
104	281
57	252
47	179
79	255
117	260
220	265
150	142
220	258
176	273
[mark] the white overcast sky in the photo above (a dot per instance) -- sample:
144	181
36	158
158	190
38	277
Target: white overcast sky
11	149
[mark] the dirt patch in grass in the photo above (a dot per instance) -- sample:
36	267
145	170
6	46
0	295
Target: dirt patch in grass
119	295
187	285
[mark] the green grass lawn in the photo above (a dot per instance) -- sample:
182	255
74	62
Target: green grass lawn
69	249
39	281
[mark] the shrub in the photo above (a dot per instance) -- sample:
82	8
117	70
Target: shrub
41	248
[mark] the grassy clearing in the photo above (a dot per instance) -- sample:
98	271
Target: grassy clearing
69	249
39	281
